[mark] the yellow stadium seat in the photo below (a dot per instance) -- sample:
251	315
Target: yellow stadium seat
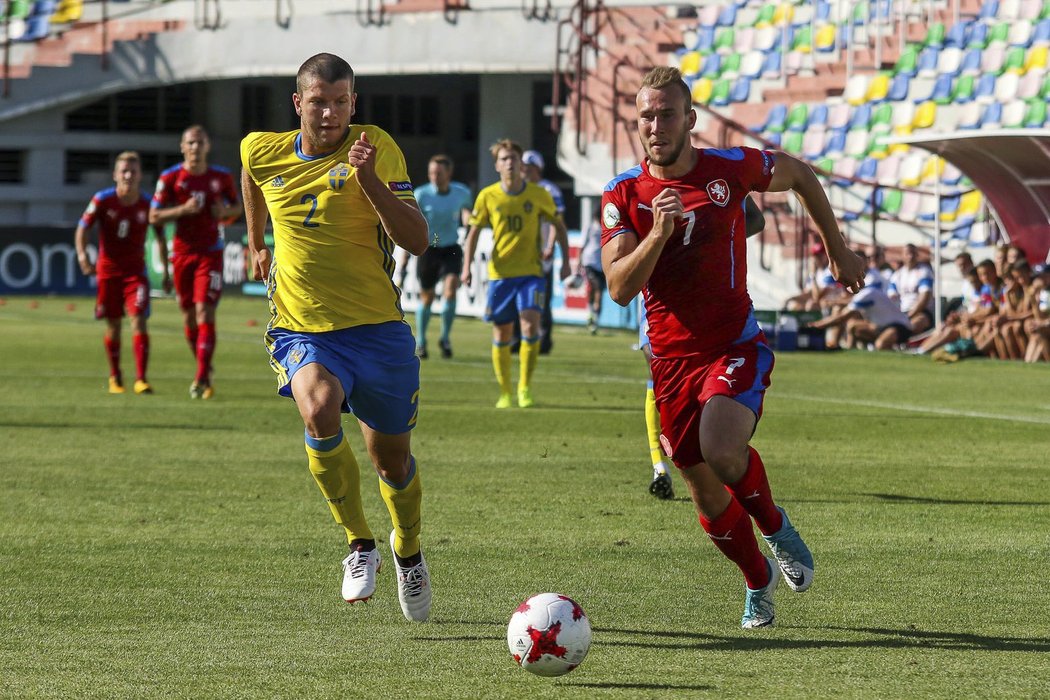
932	169
702	91
925	115
825	38
970	204
784	14
877	88
690	63
1036	58
68	11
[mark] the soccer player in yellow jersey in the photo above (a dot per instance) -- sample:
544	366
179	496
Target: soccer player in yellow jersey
340	199
515	209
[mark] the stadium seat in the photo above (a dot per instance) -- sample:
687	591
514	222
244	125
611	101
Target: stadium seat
818	116
992	60
856	143
903	115
908	62
935	35
963	89
920	89
838	116
720	92
877	146
725	37
877	88
705	39
18	9
774	139
784	14
971	62
775	119
942	90
970	204
958	34
978	36
925	116
998	34
824	41
727	16
886	173
712	67
745	40
44	8
689	63
68	11
949	207
751	64
992	115
985	89
889	200
792	142
932	167
836	144
950	61
741	90
989	10
1030	9
881	116
813	142
765	16
951	175
928	58
803	40
843	169
1014	61
1041	32
1036	59
910	203
767	38
1020	34
969	116
730	65
898	90
1044	91
1013	114
16	28
772	66
856	89
1006	86
707	15
1009	9
1028	86
793	62
1035	114
798	117
927	207
701	91
861	117
867	169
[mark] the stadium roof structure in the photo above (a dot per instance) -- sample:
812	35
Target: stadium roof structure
1012	170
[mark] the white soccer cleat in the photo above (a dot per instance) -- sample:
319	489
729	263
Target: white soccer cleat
413	587
359	575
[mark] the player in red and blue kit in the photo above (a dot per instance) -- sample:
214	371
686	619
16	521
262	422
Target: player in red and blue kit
199	198
673	228
122	216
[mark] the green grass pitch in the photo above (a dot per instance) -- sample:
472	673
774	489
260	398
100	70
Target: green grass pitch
158	547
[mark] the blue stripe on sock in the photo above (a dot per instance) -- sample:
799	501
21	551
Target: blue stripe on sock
325	444
649	384
534	339
408	479
501	345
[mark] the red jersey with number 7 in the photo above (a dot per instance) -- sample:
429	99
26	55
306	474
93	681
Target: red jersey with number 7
195	233
696	300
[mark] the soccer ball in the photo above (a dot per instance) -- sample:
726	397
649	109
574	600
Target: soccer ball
549	634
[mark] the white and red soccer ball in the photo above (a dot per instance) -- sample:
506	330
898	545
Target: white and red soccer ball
549	634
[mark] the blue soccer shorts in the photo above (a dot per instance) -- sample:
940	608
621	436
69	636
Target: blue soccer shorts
376	365
509	297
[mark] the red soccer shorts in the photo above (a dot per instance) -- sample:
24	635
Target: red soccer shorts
115	294
683	385
198	278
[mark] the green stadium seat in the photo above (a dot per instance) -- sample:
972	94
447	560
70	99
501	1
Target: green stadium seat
720	92
908	63
1035	114
731	64
963	89
803	40
19	9
765	15
891	201
999	33
935	35
881	118
724	39
798	118
792	142
1044	91
1014	61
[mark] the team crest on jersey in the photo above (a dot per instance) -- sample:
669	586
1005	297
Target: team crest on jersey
718	191
296	356
337	176
528	207
610	215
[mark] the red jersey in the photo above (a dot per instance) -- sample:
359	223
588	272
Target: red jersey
696	300
196	233
122	233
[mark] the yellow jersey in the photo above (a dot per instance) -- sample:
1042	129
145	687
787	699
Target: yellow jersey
333	263
515	220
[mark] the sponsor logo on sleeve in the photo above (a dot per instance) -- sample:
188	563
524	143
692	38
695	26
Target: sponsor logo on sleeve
400	186
610	215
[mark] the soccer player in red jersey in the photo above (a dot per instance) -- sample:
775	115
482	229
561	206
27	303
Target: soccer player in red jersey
122	215
673	228
199	198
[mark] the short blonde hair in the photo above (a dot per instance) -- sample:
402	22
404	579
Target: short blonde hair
507	144
663	77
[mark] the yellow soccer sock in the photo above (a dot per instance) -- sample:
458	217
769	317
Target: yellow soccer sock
337	474
528	353
652	426
501	365
404	502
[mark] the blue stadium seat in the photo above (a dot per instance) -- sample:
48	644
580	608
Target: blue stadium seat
44	8
823	11
861	117
712	67
985	86
1041	33
741	89
727	18
773	138
898	91
37	27
992	116
771	68
978	36
958	34
867	168
775	119
989	10
928	59
836	142
950	205
971	62
942	90
705	38
818	116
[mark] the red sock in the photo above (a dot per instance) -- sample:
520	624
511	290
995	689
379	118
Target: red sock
752	491
113	354
205	349
191	338
733	535
141	344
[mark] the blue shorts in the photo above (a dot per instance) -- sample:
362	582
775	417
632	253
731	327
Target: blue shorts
376	365
509	297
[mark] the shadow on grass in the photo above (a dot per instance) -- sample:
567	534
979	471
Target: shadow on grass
896	498
641	686
875	638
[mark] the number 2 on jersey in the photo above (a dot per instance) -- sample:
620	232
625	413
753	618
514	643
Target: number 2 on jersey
312	199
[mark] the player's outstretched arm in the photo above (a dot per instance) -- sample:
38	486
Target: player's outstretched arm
255	216
791	173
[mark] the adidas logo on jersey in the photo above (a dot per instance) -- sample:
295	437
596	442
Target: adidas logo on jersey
277	182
